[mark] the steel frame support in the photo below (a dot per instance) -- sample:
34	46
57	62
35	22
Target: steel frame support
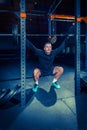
23	53
53	27
49	26
82	35
64	20
77	50
56	6
51	7
86	44
86	50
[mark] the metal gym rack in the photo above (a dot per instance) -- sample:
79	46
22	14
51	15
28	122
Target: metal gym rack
23	51
50	33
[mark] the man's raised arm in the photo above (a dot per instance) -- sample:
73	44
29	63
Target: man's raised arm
64	43
30	45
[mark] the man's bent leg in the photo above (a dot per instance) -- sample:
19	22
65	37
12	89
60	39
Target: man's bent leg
36	75
57	71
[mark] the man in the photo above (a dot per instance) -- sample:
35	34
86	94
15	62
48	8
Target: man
45	66
46	58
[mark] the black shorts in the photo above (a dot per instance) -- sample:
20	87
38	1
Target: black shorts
46	72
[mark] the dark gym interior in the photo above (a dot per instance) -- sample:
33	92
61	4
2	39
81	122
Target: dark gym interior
48	108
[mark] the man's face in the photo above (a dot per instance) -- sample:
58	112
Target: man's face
48	48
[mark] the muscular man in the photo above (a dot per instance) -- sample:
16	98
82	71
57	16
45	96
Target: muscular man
45	66
46	58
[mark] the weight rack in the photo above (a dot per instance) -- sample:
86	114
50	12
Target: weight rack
23	51
77	51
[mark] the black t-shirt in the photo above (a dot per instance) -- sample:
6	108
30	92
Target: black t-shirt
45	61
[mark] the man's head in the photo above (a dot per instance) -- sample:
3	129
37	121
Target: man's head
47	48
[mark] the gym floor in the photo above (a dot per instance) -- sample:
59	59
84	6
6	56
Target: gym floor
49	109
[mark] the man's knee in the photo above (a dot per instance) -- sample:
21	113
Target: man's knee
61	69
37	72
58	69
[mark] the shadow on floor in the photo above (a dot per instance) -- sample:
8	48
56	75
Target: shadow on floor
46	98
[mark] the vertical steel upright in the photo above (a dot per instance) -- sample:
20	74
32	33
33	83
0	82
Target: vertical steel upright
86	42
53	27
23	51
49	25
77	55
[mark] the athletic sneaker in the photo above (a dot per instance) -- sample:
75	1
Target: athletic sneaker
35	88
57	86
